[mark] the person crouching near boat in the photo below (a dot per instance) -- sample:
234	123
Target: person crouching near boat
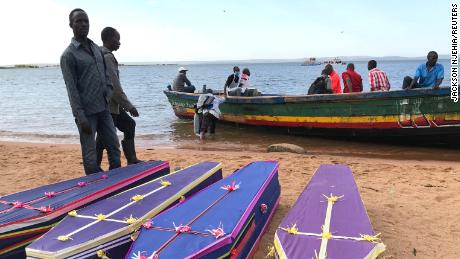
321	85
207	113
352	81
378	79
231	87
335	79
181	82
429	74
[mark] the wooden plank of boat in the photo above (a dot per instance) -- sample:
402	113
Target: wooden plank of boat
328	220
26	215
418	112
227	219
106	226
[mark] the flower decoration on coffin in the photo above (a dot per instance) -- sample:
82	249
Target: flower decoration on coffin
232	187
217	232
181	228
46	209
148	224
263	208
18	204
50	194
141	255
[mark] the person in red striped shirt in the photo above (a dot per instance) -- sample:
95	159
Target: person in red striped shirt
378	79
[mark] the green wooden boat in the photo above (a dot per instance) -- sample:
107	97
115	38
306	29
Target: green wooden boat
419	112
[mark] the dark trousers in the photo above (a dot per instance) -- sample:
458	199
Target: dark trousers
208	121
124	123
407	81
101	123
189	89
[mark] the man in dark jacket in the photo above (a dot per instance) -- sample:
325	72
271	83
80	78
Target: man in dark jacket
181	82
119	103
89	90
231	85
321	85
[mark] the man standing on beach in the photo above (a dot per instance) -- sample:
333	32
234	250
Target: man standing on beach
89	91
119	102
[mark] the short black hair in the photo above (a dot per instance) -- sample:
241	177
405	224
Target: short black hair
351	65
246	71
236	68
107	33
74	11
432	52
372	63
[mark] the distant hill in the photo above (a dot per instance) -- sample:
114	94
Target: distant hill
251	61
294	60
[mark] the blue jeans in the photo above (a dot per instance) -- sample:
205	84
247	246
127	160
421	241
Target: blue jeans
101	123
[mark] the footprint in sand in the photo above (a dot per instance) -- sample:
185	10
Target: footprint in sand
442	198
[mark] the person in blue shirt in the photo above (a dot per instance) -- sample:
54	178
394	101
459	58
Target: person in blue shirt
427	75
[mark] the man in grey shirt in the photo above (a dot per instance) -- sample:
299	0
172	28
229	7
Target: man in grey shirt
119	103
89	91
181	80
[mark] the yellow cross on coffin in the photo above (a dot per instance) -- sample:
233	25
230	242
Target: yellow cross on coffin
326	235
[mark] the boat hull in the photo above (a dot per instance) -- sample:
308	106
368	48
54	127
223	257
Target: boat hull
226	220
22	221
87	235
418	112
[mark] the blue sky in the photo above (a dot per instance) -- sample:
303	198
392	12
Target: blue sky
36	31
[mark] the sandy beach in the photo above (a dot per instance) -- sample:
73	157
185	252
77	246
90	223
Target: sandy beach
414	204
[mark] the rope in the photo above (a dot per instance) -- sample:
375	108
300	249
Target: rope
228	188
47	195
326	235
102	217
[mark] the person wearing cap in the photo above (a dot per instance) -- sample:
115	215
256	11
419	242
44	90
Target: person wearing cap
181	82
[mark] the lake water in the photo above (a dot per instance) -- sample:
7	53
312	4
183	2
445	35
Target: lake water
35	105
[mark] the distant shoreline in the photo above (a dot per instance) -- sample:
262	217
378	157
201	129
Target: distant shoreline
347	59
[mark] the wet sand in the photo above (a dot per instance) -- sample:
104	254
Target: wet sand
411	195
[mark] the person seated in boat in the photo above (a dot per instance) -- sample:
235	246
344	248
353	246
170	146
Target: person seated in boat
352	81
181	82
231	87
335	79
378	79
246	89
208	112
321	85
429	74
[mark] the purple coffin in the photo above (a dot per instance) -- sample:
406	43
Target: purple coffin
328	220
105	227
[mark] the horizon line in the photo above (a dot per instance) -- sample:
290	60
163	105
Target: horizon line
223	61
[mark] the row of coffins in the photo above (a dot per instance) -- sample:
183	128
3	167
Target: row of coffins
190	213
25	216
